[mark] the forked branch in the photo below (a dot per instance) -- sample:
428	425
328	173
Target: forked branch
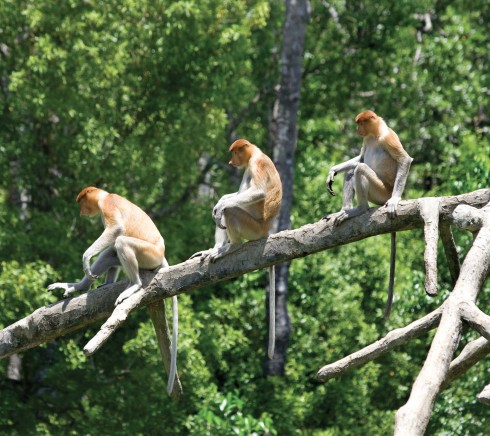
70	314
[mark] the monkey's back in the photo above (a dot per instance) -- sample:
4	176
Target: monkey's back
137	223
272	188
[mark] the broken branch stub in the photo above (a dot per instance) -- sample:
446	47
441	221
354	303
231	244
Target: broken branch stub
429	210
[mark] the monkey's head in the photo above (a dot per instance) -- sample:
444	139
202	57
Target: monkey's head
88	199
367	123
241	150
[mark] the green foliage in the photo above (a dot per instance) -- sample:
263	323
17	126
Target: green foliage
22	289
226	417
141	98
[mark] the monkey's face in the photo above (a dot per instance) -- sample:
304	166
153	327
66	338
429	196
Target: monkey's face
367	127
361	128
239	157
88	207
367	122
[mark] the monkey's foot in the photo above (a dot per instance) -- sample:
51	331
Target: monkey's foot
328	216
68	287
391	205
127	293
346	214
202	254
218	253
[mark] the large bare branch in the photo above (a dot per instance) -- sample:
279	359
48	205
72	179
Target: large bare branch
413	417
392	340
70	314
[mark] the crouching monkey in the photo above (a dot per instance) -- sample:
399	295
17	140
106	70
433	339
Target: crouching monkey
130	239
249	213
378	175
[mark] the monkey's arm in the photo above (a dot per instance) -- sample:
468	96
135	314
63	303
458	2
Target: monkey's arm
224	197
243	199
403	162
402	170
107	238
345	166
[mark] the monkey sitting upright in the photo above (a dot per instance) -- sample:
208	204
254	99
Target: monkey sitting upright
378	175
249	213
130	239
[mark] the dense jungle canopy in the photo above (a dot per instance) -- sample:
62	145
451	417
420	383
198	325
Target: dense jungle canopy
142	98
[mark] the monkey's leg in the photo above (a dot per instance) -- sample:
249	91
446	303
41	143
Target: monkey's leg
112	274
134	254
106	261
368	186
221	239
242	225
349	190
239	225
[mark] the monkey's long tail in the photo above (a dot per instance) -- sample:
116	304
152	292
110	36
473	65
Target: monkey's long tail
173	348
272	311
391	285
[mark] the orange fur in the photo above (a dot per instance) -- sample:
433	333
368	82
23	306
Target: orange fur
264	176
376	135
118	212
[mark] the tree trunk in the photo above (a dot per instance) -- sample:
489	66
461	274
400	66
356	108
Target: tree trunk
283	135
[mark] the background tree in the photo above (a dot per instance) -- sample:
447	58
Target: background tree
283	136
138	97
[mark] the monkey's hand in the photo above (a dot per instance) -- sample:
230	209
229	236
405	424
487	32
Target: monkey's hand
330	178
218	214
86	269
392	205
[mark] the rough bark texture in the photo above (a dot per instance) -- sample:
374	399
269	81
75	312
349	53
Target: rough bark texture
283	135
70	314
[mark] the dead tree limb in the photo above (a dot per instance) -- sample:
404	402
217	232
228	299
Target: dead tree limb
413	417
450	250
67	315
429	210
71	314
439	367
392	340
471	354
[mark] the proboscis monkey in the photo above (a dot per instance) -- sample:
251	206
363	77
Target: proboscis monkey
249	213
378	175
130	239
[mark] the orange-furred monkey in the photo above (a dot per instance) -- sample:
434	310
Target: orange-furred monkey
249	213
130	239
378	175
